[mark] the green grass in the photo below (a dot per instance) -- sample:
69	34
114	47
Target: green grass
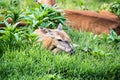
35	62
96	57
83	4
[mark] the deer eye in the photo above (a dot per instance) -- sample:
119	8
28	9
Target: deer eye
59	39
66	41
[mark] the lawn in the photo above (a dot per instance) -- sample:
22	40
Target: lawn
95	58
94	5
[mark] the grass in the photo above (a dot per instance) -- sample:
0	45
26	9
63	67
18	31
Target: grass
35	62
84	4
96	57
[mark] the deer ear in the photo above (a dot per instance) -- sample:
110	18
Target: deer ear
44	30
59	27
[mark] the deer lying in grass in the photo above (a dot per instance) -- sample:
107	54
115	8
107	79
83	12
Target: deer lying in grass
91	21
55	40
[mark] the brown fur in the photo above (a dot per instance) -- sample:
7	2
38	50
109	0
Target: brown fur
48	2
91	21
50	39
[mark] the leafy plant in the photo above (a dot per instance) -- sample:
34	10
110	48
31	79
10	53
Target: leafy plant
45	16
15	37
105	6
15	15
15	2
3	4
111	38
12	12
115	8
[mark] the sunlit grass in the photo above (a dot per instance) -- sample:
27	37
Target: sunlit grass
96	57
83	4
35	62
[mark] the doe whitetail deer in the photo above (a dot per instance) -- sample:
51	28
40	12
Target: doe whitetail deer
55	40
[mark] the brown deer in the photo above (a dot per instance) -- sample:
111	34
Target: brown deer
56	40
95	22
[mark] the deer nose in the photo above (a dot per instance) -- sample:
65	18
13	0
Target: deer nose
72	51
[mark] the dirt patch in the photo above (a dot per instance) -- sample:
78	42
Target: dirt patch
92	21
